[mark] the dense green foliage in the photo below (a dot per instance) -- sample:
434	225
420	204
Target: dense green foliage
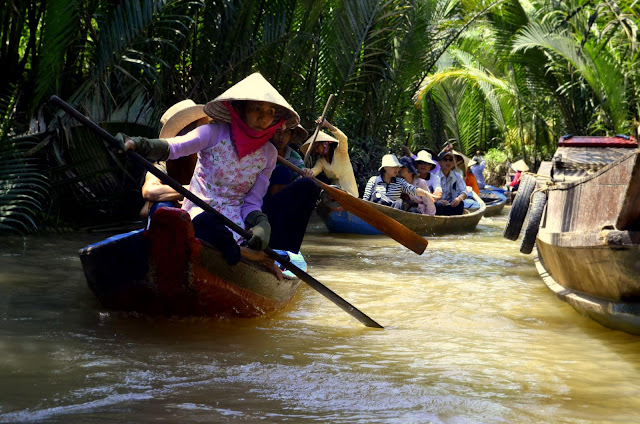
511	74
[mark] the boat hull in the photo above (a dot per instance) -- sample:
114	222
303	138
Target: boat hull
495	207
617	315
167	271
583	253
337	220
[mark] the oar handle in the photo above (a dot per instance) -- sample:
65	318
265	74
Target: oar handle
141	161
315	134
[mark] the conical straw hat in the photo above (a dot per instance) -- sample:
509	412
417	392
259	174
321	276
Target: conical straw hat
179	116
520	166
299	134
322	136
256	88
465	159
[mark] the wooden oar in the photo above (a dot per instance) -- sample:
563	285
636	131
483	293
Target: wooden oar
369	214
315	134
141	161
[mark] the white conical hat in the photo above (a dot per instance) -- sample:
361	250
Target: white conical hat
322	136
179	116
520	166
299	134
256	88
465	158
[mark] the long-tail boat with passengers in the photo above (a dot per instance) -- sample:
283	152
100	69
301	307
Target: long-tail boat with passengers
584	216
338	220
165	270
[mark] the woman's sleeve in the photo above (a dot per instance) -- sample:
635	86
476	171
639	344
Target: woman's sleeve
343	144
200	138
253	199
408	188
368	190
317	168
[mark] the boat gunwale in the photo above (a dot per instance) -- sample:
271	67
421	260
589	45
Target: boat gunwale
572	184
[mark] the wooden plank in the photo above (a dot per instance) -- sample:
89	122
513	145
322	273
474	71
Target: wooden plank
629	216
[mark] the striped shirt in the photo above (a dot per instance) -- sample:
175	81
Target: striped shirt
392	190
452	186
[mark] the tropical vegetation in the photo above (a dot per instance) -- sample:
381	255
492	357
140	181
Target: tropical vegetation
511	75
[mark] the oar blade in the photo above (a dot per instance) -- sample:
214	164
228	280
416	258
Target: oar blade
379	220
369	214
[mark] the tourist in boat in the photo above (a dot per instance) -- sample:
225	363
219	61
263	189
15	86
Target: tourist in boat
478	169
453	187
428	171
416	204
331	156
290	199
470	178
463	167
179	119
235	161
386	188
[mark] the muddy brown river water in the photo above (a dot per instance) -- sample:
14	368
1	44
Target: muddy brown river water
472	336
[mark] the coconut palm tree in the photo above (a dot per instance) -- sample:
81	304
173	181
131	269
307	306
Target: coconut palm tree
544	69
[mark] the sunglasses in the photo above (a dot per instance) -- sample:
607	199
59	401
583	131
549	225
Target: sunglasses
447	159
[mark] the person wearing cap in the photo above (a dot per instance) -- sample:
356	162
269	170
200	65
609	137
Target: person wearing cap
179	119
453	187
387	187
332	155
416	204
470	178
235	161
428	171
290	199
477	168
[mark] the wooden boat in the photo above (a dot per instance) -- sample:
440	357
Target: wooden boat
588	235
167	271
338	220
495	201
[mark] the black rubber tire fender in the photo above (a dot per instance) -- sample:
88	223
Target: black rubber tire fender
519	207
538	202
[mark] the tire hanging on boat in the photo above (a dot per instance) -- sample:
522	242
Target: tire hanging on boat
538	202
520	207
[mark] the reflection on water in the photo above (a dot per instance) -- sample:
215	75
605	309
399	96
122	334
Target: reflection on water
472	336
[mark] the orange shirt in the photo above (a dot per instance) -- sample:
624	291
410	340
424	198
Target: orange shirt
471	182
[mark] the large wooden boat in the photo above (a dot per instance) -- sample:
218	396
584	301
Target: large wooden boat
165	270
338	220
588	235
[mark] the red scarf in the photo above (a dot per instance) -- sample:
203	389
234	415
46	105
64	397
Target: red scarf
246	139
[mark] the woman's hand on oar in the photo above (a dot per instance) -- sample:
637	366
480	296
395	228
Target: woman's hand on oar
367	213
284	260
319	122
